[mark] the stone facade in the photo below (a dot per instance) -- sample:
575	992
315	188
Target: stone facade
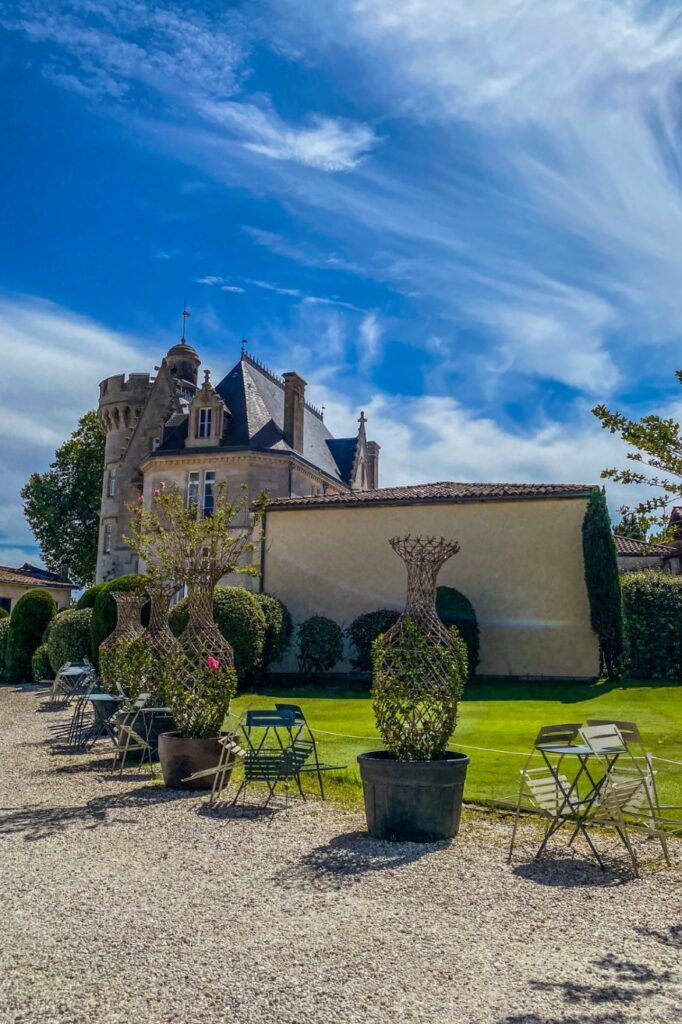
253	428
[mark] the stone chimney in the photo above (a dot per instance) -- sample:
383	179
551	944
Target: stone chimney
373	465
294	406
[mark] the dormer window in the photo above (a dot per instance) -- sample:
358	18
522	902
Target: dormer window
204	423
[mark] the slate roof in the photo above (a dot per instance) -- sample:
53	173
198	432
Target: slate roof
255	399
32	575
445	491
628	546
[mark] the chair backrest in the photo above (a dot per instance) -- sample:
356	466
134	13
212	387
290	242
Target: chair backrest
297	710
545	790
557	735
269	720
602	739
628	730
619	796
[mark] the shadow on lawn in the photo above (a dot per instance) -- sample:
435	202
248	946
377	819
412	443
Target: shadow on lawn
563	692
346	858
616	996
38	821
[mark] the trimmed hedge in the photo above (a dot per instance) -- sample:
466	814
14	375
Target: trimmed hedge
4	614
104	612
603	583
320	644
28	621
454	609
364	630
40	664
69	637
278	629
89	596
240	618
652	607
4	630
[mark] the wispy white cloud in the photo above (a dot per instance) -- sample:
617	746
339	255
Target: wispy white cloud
369	341
268	286
232	288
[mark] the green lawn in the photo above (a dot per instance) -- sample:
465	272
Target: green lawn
504	716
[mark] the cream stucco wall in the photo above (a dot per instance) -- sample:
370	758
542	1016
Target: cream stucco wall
520	565
14	591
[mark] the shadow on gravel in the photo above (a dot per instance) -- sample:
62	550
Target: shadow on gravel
346	858
37	822
618	995
571	872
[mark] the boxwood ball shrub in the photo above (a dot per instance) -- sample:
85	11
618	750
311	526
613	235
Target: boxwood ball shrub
104	612
454	609
320	644
27	623
364	630
69	637
4	614
240	618
278	629
89	596
4	630
652	611
40	664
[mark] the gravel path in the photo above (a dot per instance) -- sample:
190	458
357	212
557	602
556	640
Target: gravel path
124	902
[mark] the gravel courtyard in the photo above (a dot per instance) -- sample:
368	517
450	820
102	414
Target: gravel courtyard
122	902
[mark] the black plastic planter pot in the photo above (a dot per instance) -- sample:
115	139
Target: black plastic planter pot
181	756
419	801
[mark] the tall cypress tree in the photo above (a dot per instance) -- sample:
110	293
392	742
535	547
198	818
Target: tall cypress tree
603	583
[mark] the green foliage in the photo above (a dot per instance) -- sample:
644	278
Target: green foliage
4	631
28	621
630	526
415	710
320	645
603	583
62	505
69	637
105	613
454	609
40	664
89	596
652	607
364	630
278	629
240	618
200	709
4	614
134	667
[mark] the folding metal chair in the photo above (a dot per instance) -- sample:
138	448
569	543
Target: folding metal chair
551	795
78	728
619	799
302	728
72	678
276	755
129	738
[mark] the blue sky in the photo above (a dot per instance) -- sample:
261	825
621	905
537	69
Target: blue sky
464	218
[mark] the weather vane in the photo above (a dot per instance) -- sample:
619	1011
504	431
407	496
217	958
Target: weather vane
185	314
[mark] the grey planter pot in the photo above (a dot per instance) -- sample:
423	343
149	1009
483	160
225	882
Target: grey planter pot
181	756
417	801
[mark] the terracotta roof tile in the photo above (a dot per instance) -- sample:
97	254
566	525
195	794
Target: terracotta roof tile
32	575
445	491
630	546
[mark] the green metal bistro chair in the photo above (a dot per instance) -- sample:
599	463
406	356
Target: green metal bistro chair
302	729
274	754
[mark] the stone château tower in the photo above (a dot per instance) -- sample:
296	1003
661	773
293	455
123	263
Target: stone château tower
254	428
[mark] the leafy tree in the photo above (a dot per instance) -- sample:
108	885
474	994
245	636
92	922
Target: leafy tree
603	583
62	505
656	448
630	526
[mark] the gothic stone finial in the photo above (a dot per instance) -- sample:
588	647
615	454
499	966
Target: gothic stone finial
362	419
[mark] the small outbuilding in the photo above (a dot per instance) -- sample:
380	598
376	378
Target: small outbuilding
15	582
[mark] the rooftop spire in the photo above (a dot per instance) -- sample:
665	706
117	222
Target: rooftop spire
185	315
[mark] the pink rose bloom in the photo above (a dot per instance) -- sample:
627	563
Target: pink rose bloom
213	663
162	486
157	493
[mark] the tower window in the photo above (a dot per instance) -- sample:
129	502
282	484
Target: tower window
106	545
209	497
192	490
111	484
204	423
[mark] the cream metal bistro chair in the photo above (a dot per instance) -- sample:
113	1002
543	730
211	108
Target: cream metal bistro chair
129	739
620	798
551	795
548	736
72	678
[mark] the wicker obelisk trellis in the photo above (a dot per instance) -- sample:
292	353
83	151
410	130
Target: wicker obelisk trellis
158	634
418	666
128	621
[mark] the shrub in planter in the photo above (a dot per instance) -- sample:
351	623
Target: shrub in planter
364	630
104	614
89	596
320	645
278	629
240	618
133	666
40	664
652	610
4	630
28	621
69	637
454	609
